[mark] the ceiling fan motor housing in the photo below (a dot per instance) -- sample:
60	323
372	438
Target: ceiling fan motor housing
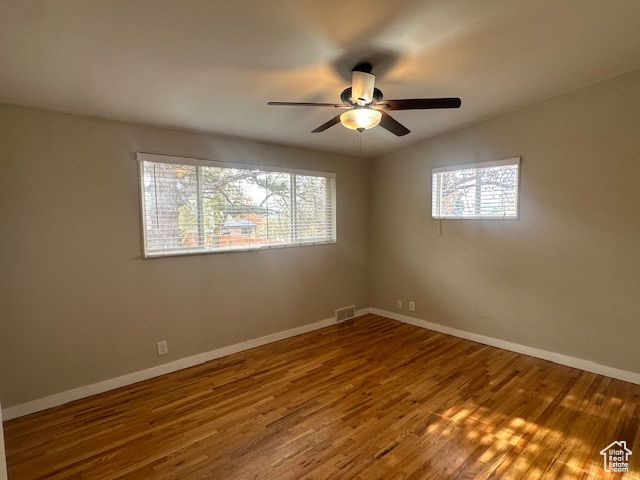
362	87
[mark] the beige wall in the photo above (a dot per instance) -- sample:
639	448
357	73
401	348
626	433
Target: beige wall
80	305
565	277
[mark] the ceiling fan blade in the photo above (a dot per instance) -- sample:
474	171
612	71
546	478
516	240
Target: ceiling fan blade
303	104
418	103
326	125
391	124
362	87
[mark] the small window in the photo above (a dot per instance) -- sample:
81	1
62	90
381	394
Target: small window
197	206
477	190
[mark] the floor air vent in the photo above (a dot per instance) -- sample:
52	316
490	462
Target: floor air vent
345	313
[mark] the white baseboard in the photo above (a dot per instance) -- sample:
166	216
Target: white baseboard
100	387
111	384
3	461
580	363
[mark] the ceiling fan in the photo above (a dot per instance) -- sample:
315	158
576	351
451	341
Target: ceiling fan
365	107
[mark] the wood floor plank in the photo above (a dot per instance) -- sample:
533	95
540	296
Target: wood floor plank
367	399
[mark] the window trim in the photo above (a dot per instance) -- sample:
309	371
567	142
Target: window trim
203	162
515	160
142	157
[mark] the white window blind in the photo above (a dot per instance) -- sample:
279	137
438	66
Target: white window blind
478	190
195	206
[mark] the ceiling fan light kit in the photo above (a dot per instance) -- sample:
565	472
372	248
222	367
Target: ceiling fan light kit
365	105
361	118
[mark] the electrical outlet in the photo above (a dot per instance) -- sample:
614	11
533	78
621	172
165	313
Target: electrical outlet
412	306
399	303
163	348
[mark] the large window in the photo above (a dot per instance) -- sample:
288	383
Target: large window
196	206
478	190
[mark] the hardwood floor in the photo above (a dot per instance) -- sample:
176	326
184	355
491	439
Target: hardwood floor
368	399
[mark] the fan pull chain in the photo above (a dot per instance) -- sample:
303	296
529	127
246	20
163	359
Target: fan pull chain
359	142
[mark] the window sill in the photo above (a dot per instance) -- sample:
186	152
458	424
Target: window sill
200	251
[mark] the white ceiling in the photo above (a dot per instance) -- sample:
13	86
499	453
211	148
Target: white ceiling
212	65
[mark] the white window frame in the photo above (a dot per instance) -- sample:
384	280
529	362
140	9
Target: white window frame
478	166
142	157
